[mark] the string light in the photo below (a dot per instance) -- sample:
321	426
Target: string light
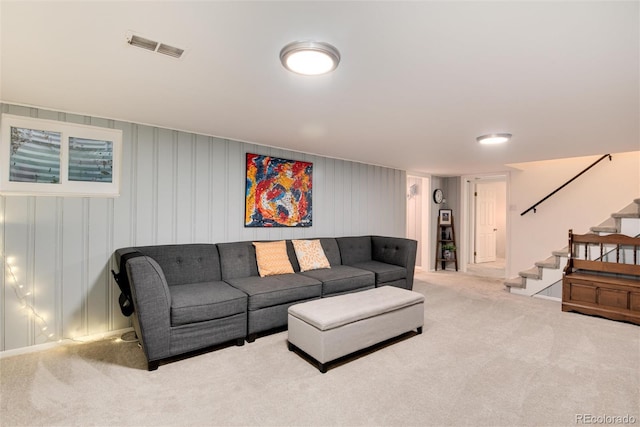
39	320
24	300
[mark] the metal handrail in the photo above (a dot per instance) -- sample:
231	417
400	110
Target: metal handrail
533	208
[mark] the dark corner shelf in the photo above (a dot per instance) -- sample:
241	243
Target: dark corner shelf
449	231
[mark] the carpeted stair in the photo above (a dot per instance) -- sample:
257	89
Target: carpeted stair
544	274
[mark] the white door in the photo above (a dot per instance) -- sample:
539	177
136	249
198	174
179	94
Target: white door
486	228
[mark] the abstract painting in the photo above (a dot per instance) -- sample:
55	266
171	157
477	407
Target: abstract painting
278	192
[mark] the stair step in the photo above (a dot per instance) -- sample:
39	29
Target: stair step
532	273
626	215
564	252
611	225
551	262
516	282
604	229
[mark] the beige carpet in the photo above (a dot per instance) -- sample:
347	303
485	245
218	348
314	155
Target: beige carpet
486	358
494	269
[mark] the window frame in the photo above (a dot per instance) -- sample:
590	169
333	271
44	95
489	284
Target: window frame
64	187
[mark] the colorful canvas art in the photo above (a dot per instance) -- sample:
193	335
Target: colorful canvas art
278	192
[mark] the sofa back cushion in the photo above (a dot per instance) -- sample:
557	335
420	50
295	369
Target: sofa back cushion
238	259
331	251
393	250
187	263
354	249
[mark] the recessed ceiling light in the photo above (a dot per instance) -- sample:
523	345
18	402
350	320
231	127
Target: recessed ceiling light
494	138
310	58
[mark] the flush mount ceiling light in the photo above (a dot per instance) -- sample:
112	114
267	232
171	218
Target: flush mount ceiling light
494	138
310	58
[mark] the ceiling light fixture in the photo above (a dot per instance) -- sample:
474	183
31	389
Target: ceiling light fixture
494	138
310	58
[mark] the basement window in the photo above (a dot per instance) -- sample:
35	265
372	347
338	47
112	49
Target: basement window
51	158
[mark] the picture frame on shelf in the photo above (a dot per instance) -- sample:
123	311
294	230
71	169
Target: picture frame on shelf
445	216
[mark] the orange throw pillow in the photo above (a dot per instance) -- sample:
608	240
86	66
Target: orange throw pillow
272	258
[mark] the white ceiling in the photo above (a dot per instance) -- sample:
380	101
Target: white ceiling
418	81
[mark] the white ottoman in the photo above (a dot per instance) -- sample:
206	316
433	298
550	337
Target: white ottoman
330	328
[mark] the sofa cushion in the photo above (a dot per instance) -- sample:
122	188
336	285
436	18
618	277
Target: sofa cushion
275	290
187	263
272	258
384	272
354	249
331	251
237	260
310	255
391	250
342	278
198	302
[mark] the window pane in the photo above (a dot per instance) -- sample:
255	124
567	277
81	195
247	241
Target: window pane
35	156
90	160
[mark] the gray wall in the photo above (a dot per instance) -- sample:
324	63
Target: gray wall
176	187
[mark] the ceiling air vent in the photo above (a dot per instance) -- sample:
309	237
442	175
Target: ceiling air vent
154	46
165	49
143	43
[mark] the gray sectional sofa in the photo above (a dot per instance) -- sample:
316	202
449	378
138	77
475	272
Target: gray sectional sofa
192	296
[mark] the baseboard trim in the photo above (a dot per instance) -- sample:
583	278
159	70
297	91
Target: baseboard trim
556	299
65	341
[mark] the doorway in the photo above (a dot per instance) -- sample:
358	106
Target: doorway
487	226
417	217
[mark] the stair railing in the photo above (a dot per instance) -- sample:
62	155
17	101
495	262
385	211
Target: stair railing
604	256
533	208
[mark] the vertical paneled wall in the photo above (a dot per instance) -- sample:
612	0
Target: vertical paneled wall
177	187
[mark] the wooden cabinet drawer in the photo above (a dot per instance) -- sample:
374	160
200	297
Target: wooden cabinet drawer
581	292
634	301
613	298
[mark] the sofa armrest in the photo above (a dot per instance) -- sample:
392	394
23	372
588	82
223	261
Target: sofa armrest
397	251
152	306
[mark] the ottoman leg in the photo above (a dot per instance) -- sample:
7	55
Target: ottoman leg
419	330
322	367
289	346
